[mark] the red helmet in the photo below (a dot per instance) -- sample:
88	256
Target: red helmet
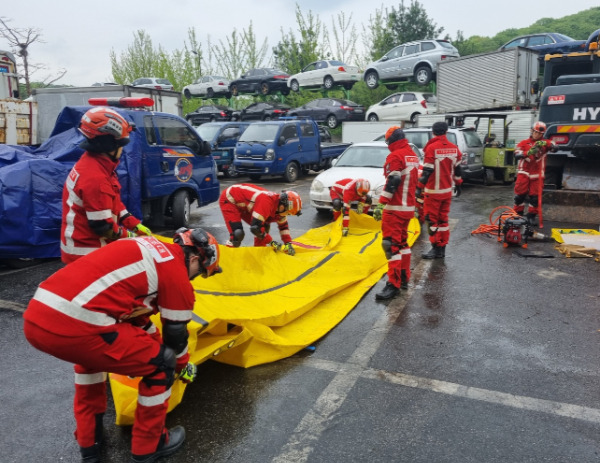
204	244
363	187
291	201
539	127
100	121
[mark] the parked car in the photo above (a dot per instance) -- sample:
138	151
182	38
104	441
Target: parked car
209	87
326	74
261	111
209	113
332	111
103	84
222	137
361	160
262	81
152	82
468	141
404	106
546	43
413	60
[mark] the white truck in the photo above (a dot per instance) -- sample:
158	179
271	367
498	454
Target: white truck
360	132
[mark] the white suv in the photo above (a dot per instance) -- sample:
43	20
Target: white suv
413	60
404	106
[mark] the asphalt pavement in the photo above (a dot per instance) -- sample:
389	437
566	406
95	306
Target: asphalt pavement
492	355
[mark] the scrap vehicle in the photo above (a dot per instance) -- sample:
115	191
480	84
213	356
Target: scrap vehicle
163	170
286	147
223	137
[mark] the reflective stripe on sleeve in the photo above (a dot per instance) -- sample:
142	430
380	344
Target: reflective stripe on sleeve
176	315
89	379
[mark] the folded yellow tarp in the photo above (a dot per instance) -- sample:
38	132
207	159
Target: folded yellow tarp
267	305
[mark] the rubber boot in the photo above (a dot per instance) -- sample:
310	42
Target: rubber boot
531	218
403	280
90	454
441	252
389	292
176	436
431	254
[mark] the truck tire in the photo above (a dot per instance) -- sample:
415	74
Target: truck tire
423	75
230	172
181	209
372	79
292	172
295	86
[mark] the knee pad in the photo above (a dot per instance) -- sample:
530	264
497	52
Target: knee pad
237	236
165	361
519	199
337	204
533	200
386	244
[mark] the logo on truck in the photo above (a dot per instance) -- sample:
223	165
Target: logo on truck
581	114
183	170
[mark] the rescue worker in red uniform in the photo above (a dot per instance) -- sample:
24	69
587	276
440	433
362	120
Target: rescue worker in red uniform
93	214
95	313
346	191
395	209
531	154
259	208
441	173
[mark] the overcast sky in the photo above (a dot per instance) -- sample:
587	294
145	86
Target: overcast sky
79	35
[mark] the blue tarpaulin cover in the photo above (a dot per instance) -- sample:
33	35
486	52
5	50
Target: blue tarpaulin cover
31	184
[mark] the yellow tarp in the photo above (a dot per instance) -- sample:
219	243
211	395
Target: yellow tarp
267	306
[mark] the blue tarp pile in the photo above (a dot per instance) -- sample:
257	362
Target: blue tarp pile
31	184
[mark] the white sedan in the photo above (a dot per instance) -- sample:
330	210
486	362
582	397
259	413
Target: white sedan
360	160
208	87
403	106
326	74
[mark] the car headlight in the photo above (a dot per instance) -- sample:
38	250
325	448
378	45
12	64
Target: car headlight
316	186
270	154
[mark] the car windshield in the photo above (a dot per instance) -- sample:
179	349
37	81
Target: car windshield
472	139
363	156
260	133
163	82
207	132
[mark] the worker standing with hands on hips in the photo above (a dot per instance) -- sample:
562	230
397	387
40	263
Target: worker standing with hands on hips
396	208
93	214
531	156
259	208
95	313
346	191
441	173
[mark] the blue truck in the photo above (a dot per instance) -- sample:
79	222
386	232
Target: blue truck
285	147
222	137
163	170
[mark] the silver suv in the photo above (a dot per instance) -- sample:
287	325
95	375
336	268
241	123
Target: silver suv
467	140
413	60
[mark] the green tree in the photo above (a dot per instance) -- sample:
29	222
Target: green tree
345	36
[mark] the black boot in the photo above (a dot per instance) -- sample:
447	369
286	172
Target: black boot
403	280
436	252
176	438
441	252
389	292
531	218
90	454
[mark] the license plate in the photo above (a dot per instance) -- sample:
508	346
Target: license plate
358	111
247	163
217	156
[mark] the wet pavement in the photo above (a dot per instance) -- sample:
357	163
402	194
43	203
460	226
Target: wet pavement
492	355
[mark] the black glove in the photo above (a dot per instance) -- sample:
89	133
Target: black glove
458	187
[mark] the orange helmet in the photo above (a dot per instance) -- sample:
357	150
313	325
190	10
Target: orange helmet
363	187
539	127
291	201
394	134
100	121
204	244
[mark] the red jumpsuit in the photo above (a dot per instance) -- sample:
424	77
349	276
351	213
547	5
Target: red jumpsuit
94	313
399	208
91	193
253	205
345	191
530	172
442	157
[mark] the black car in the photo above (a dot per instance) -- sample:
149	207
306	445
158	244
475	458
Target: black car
332	111
261	111
209	113
262	81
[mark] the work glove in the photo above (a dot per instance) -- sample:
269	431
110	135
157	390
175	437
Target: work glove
345	231
419	193
458	187
142	230
289	249
189	373
124	233
360	208
276	245
378	212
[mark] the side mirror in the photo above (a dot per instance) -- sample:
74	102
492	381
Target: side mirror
384	58
205	148
535	87
281	141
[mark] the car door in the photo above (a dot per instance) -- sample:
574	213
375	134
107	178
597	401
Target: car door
389	110
388	67
246	83
325	107
409	59
310	109
254	112
307	77
408	106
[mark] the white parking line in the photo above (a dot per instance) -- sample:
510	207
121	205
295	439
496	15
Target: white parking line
9	305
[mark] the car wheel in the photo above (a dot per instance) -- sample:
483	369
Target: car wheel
181	209
210	93
372	117
231	172
187	94
372	79
423	75
328	83
331	121
264	88
295	86
413	117
234	90
267	117
292	172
